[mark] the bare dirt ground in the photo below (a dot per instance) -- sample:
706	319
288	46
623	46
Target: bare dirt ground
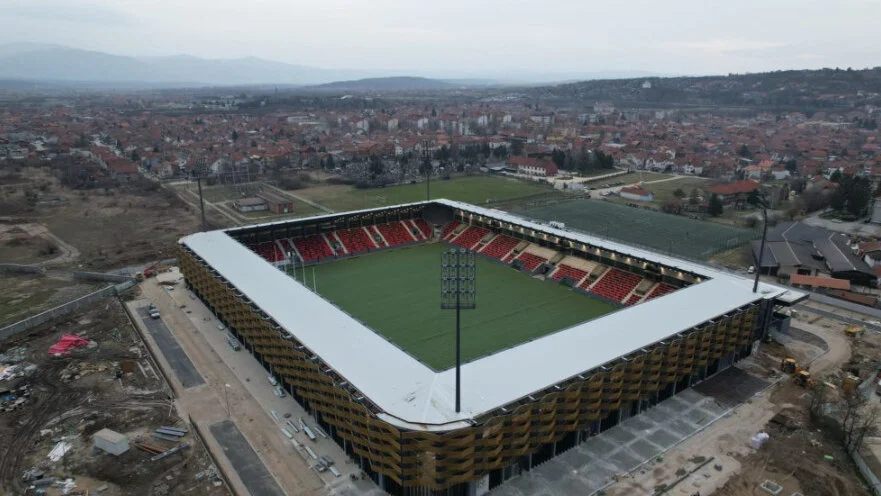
113	227
25	295
111	385
720	459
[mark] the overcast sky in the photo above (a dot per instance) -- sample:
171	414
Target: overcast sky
470	37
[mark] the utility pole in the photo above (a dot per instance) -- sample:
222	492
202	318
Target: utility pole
426	162
761	201
201	202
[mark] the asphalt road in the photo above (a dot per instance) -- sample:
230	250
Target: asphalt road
244	460
178	360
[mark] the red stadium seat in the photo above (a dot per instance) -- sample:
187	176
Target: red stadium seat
616	284
356	240
423	227
530	261
395	233
450	228
660	290
470	236
313	248
500	246
564	270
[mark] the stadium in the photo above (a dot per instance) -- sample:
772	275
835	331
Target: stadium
572	333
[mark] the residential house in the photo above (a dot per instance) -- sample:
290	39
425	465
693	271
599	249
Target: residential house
735	193
532	166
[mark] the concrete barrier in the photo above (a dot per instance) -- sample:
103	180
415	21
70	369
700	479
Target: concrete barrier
35	320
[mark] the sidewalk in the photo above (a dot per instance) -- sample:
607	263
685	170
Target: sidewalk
207	404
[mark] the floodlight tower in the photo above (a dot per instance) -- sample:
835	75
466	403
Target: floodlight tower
459	292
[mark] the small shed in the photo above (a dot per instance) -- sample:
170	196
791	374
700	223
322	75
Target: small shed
110	441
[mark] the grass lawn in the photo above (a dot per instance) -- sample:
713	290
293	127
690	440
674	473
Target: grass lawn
301	209
473	189
664	191
397	294
216	194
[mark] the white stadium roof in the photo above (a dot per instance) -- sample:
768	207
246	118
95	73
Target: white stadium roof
414	396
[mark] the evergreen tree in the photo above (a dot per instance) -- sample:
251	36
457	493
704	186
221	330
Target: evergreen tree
715	207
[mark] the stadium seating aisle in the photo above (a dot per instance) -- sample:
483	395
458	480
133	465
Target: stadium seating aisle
449	229
313	248
500	246
660	290
530	261
356	240
423	227
632	299
470	236
377	237
287	246
564	270
270	251
616	284
395	233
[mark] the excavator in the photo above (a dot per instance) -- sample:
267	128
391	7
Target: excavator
801	376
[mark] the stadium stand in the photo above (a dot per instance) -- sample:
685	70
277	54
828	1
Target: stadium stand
564	270
449	229
377	236
355	240
470	236
500	246
336	243
615	284
395	233
423	227
287	245
530	261
632	299
313	248
660	290
270	251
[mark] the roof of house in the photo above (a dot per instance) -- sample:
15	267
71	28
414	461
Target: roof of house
820	282
799	244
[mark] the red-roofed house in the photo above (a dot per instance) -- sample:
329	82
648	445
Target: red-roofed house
533	166
735	193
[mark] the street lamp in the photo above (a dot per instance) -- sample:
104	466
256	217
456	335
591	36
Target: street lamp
226	397
760	200
458	292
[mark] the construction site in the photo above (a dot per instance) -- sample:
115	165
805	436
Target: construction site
144	390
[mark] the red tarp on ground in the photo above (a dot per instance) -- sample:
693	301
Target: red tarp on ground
67	343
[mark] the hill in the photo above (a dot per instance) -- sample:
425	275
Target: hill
814	89
43	62
401	83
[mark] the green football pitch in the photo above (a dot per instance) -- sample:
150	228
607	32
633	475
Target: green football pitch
397	294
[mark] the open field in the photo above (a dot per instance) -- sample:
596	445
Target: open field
26	295
474	189
657	230
404	303
663	191
110	228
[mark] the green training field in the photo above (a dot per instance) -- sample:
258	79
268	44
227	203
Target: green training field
397	294
472	189
663	232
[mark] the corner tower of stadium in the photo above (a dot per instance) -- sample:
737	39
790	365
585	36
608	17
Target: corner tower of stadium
341	308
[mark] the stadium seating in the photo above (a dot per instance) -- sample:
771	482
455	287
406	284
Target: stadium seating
660	290
423	227
313	247
632	299
500	246
286	246
450	228
530	261
470	236
270	251
616	284
376	236
356	240
564	270
395	233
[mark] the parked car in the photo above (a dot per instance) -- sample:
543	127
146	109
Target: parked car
272	380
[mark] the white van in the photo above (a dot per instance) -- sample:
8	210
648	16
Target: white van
272	380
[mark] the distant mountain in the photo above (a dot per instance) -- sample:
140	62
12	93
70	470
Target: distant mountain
398	83
57	63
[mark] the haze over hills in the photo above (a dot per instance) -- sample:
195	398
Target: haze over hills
60	64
